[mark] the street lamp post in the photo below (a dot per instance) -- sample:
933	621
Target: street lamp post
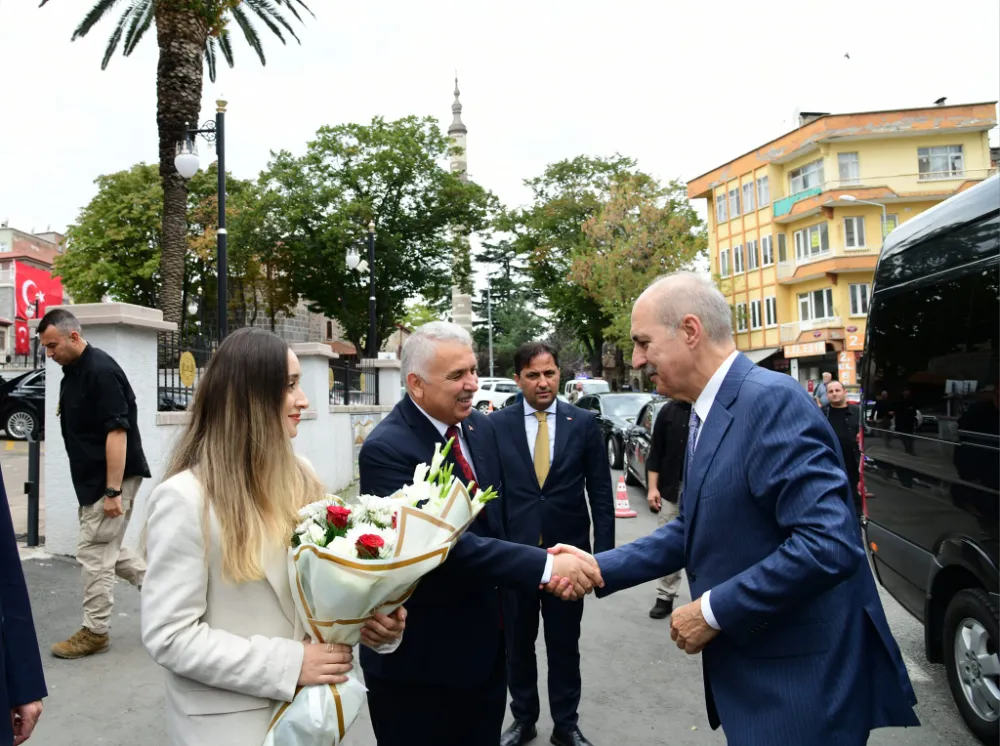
489	321
187	164
355	262
852	198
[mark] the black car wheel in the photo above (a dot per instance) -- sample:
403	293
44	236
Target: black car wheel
21	423
970	657
614	452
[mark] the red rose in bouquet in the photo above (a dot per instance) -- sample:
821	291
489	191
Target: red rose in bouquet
368	546
337	516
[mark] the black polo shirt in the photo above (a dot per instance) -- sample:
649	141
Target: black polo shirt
95	398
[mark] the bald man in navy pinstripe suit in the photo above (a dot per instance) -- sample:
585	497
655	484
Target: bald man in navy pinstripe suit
796	647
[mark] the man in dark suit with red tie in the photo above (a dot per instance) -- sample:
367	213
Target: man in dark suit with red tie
446	684
554	465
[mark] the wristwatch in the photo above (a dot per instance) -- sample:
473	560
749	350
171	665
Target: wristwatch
112	493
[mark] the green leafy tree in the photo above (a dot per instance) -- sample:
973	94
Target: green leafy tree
418	314
388	172
643	231
549	235
511	304
114	247
190	35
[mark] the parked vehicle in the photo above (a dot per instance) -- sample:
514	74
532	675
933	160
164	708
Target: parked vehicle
616	414
638	442
493	391
590	386
931	458
22	405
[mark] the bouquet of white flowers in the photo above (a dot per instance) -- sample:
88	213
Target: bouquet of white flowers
348	562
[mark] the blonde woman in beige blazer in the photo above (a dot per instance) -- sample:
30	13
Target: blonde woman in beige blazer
217	609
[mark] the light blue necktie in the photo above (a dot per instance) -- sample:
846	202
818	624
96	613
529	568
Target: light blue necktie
694	426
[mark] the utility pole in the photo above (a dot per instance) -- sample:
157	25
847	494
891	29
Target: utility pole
489	321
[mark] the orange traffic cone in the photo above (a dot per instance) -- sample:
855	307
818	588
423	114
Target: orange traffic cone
622	508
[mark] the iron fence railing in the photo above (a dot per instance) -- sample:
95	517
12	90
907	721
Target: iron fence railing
351	383
181	360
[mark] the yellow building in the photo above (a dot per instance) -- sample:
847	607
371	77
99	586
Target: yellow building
795	226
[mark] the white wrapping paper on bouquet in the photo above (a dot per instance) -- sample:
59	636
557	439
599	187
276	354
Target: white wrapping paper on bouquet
335	595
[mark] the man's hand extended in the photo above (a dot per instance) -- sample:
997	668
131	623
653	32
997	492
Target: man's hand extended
574	573
689	629
113	507
653	498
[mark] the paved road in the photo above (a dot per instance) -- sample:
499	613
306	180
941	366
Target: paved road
14	464
638	688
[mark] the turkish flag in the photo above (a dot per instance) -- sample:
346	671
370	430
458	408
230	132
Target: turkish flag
32	284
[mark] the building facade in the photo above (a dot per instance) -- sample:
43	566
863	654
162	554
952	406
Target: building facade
795	227
27	287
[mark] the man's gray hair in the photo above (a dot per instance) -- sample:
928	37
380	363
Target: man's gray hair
418	350
682	293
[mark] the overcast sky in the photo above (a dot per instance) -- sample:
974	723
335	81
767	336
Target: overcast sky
682	87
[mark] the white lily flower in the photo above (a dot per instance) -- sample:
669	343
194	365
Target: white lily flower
304	526
420	473
436	460
317	535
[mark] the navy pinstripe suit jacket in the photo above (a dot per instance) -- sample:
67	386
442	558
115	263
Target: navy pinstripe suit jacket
767	524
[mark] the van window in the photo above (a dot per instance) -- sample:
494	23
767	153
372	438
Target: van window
934	348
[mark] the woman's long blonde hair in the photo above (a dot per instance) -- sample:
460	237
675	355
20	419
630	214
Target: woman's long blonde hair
238	448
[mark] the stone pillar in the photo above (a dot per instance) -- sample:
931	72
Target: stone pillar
128	334
389	380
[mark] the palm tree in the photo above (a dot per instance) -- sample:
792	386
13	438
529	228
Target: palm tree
190	34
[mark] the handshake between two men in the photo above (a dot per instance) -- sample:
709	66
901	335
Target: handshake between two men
575	573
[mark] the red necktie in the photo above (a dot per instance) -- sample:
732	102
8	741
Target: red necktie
456	448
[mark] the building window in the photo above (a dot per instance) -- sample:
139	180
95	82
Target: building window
817	305
766	251
859	299
755	314
763	192
720	208
329	330
734	202
4	247
943	162
782	248
738	260
752	257
811	241
806	177
889	224
748	205
850	172
741	317
854	233
724	263
770	311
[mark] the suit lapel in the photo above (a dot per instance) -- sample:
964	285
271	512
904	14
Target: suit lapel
517	431
713	431
564	422
275	563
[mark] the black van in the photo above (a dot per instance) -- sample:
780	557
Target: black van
931	456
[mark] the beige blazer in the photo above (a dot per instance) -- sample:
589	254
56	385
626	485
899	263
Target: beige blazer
230	651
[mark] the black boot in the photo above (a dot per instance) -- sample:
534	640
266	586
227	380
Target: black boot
663	608
517	734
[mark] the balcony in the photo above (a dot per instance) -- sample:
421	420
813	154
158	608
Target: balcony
789	333
784	205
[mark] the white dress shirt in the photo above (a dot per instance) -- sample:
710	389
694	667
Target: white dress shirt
443	429
531	428
703	408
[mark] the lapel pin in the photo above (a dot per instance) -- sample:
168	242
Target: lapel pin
569	419
471	427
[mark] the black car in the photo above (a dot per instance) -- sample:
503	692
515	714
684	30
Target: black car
616	414
22	405
638	441
931	447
